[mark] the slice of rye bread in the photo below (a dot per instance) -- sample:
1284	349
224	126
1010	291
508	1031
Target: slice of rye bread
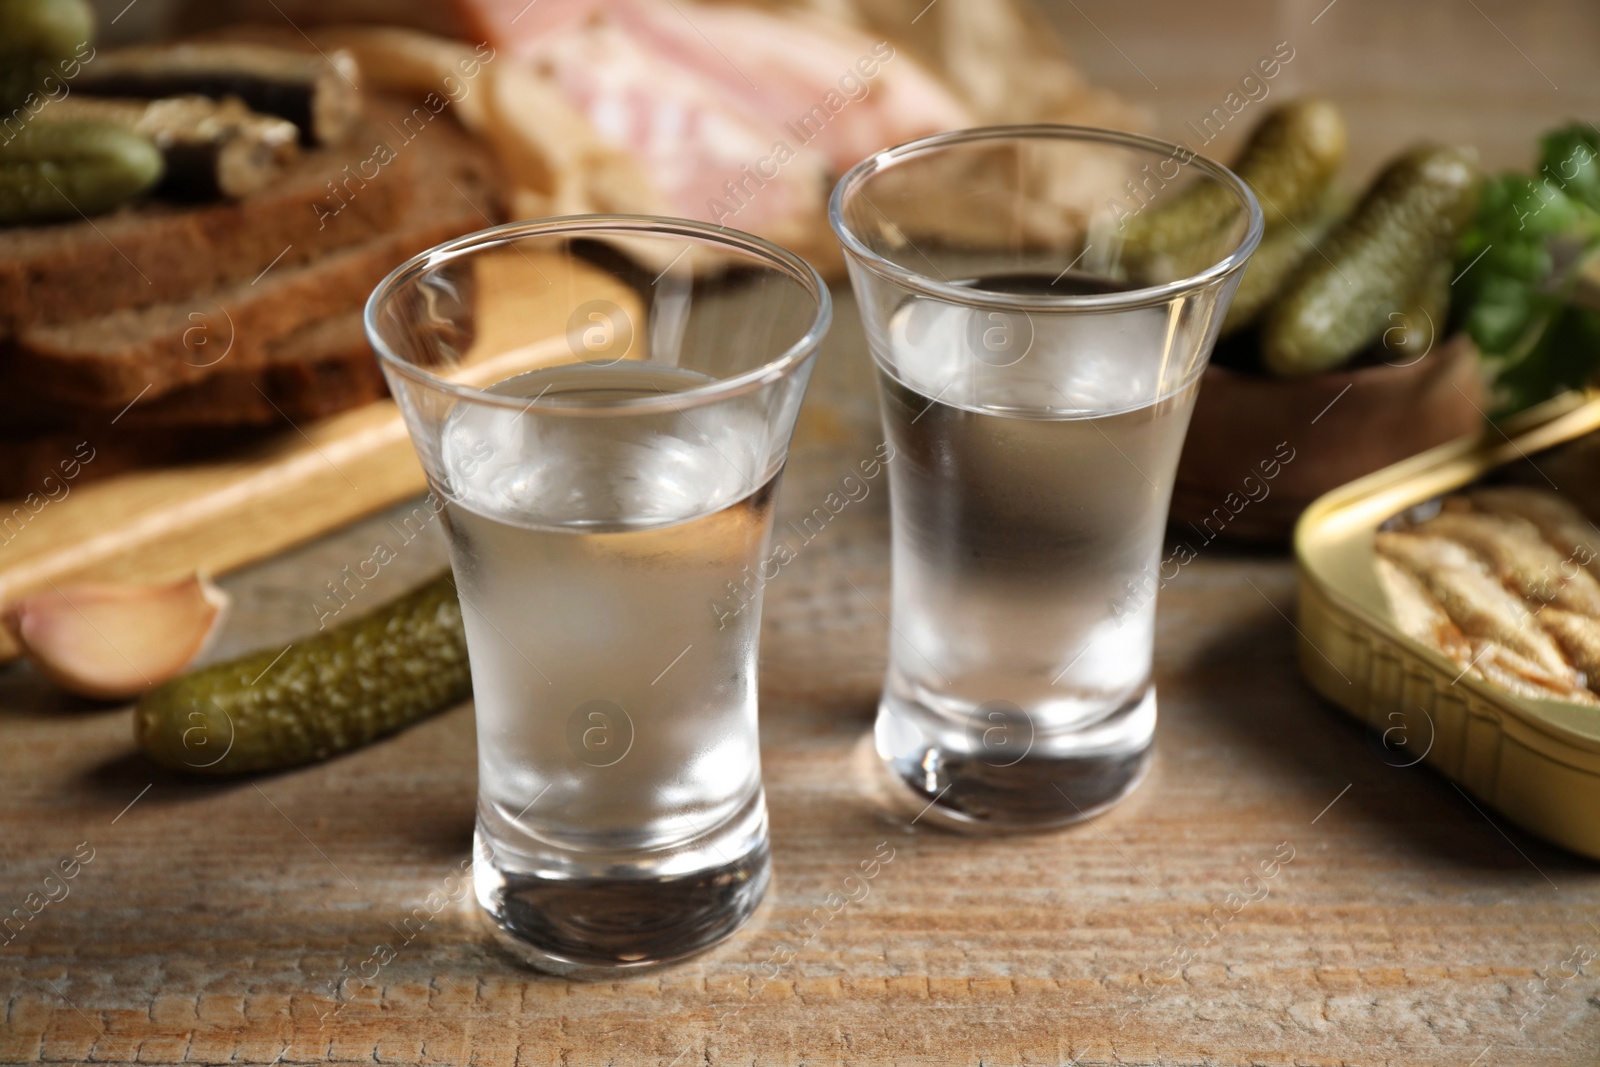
110	361
445	18
323	369
320	370
153	253
45	468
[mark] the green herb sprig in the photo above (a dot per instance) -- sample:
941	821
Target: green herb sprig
1523	267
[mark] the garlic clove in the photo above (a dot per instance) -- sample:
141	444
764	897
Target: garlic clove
113	642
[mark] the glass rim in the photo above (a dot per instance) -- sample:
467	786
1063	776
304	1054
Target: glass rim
967	295
774	255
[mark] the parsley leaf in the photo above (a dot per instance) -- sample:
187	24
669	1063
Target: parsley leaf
1519	266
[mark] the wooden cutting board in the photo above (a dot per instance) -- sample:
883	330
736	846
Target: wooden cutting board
161	524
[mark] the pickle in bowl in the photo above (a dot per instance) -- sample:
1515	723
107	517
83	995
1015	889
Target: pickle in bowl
1375	263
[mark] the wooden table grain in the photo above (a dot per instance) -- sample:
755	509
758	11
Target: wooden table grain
307	917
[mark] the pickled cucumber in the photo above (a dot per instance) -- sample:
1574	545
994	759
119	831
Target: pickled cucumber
44	29
1415	329
1275	261
54	170
1374	263
39	39
322	696
1290	160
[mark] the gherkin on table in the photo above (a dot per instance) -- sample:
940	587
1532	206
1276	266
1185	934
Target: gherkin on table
338	690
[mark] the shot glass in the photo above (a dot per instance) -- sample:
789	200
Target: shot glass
1040	302
603	407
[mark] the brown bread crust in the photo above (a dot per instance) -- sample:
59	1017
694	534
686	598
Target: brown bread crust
143	353
321	370
153	253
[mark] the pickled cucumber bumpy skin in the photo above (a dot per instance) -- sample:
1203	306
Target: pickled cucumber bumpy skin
325	695
1275	261
1415	329
1374	263
1289	161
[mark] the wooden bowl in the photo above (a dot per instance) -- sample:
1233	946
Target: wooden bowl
1260	449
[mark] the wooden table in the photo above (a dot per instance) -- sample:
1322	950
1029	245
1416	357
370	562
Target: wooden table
236	921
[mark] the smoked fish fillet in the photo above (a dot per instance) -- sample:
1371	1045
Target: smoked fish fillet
1474	598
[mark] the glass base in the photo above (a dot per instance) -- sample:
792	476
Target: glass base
957	781
593	916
